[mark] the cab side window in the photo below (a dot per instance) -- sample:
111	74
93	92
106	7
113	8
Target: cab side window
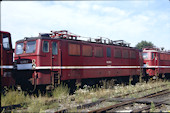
54	48
153	55
46	46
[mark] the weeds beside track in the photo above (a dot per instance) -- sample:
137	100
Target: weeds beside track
91	96
91	104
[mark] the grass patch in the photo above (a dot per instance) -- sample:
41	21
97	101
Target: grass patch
12	97
60	92
91	94
34	103
152	109
40	104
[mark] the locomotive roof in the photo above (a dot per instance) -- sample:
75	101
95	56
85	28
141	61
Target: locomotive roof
166	52
49	38
33	38
4	32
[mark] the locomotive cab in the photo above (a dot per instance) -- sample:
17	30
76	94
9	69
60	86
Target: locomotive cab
151	61
34	58
24	49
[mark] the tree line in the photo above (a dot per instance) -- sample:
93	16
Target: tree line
144	44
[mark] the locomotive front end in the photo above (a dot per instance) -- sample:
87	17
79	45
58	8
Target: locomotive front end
151	62
34	61
26	55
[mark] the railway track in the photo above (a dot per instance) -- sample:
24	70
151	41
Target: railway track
131	101
87	105
146	109
10	107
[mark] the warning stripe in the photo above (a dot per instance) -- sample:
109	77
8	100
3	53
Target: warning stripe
84	67
157	67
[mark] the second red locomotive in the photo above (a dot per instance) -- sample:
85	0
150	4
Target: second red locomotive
156	62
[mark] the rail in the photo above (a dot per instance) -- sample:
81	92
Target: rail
87	105
109	108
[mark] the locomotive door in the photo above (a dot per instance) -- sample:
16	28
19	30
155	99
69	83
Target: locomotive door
56	62
155	62
155	59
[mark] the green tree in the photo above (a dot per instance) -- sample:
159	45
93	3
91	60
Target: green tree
144	44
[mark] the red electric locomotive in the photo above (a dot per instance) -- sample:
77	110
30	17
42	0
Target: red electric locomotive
60	56
156	62
6	55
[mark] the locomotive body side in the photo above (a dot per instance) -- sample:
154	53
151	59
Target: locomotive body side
6	55
92	60
164	64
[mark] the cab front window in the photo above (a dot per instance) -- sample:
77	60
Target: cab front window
145	55
19	48
30	47
54	48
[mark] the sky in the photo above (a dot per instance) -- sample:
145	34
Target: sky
129	20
